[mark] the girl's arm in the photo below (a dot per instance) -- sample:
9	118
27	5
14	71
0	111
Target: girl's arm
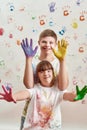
21	95
10	97
69	96
80	94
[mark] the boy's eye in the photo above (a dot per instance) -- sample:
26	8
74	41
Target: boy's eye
51	42
44	42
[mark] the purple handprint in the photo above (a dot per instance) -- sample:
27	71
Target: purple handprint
28	49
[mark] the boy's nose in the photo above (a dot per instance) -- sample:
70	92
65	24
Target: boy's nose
47	44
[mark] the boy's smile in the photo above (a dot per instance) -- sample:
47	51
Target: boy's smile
46	44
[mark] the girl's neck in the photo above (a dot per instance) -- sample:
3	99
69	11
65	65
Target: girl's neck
47	85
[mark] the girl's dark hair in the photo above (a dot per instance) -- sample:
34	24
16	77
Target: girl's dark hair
46	33
42	66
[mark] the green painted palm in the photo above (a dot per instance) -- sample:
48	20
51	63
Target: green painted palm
80	94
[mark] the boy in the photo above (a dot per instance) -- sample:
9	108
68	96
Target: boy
47	41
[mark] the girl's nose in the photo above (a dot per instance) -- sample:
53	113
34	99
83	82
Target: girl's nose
45	72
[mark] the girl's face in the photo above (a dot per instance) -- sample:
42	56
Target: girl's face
46	77
46	44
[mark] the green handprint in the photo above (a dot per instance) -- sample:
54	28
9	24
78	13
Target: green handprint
80	94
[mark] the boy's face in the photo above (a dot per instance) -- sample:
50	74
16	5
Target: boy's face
46	44
46	77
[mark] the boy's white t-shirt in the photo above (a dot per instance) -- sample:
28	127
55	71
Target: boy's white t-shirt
44	108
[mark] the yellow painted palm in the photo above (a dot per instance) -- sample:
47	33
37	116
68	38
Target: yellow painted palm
61	51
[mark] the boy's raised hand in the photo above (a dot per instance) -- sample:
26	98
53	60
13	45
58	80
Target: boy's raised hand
80	94
7	95
28	49
62	48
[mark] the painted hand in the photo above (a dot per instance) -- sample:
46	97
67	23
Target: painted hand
62	48
28	49
7	95
80	94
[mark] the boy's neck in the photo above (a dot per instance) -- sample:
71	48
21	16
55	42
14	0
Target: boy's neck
48	57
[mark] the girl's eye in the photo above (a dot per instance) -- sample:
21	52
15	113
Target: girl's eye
49	70
41	71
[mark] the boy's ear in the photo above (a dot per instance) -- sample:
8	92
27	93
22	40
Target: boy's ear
56	44
38	42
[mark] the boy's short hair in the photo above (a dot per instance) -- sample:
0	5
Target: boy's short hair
46	33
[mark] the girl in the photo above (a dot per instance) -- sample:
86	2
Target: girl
44	108
47	40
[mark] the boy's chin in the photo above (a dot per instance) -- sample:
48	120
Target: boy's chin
49	52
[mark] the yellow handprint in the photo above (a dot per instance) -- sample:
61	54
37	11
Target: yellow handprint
62	48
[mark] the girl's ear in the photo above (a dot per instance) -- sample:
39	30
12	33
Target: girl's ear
38	80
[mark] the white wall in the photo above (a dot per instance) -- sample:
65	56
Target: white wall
22	18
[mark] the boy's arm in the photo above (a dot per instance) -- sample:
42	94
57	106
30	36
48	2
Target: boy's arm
29	54
28	74
63	79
